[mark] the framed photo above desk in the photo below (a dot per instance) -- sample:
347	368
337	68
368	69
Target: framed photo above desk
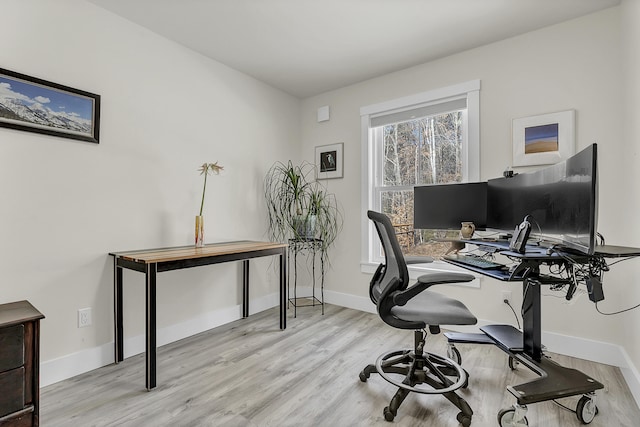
543	140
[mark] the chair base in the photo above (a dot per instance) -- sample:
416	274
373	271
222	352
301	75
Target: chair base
421	372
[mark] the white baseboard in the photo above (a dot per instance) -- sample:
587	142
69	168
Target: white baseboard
62	368
632	377
52	371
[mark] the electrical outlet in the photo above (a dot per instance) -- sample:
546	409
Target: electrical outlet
84	317
506	296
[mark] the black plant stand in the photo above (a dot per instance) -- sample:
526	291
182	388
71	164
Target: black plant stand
312	249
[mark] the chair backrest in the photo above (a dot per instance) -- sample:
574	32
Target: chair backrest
394	270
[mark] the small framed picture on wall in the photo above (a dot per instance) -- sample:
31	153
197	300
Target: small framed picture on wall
543	140
329	161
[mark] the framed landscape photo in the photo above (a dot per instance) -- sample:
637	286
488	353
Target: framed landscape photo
35	105
543	140
329	161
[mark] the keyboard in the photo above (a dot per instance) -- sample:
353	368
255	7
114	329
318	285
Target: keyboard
474	261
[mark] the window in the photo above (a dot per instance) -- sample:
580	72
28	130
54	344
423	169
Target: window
428	138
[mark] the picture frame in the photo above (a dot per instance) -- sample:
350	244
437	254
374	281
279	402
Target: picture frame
329	161
35	105
544	139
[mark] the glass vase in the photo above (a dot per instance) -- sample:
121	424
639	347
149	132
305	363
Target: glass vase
199	232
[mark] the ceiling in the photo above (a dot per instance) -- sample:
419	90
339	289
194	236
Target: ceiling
307	47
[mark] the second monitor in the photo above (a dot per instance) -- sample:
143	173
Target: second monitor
446	206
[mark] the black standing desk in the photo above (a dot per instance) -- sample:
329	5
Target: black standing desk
526	347
528	272
152	261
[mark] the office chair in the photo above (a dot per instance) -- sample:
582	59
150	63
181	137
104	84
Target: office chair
416	307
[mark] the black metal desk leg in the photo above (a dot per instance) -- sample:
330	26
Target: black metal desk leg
245	288
313	275
283	289
295	284
531	319
117	312
322	282
150	277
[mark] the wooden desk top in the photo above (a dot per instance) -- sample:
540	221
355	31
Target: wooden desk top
150	256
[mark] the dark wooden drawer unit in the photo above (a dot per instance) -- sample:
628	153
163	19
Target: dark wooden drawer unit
19	364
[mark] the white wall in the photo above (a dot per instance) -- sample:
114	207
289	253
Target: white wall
574	65
629	175
66	204
165	110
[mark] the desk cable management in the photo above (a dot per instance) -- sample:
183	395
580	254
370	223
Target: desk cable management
588	274
591	276
576	273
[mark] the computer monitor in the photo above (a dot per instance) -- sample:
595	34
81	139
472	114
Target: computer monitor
561	200
446	206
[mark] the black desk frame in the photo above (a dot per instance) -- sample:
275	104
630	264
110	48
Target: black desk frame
150	271
555	380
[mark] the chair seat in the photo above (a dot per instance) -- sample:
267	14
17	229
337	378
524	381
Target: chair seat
434	309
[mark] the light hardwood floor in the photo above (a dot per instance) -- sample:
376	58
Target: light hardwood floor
249	373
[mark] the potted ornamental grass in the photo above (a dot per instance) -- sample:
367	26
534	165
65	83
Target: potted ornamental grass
299	207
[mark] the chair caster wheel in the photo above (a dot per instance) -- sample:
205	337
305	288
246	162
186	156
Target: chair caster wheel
586	410
463	419
513	363
388	415
507	418
454	354
364	376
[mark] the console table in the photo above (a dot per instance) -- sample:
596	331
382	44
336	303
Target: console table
153	261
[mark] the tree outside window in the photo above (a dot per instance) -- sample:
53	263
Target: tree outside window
431	137
426	150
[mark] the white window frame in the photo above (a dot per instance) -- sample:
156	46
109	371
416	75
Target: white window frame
470	161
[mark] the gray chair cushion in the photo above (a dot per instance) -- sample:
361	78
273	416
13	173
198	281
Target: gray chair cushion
434	309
